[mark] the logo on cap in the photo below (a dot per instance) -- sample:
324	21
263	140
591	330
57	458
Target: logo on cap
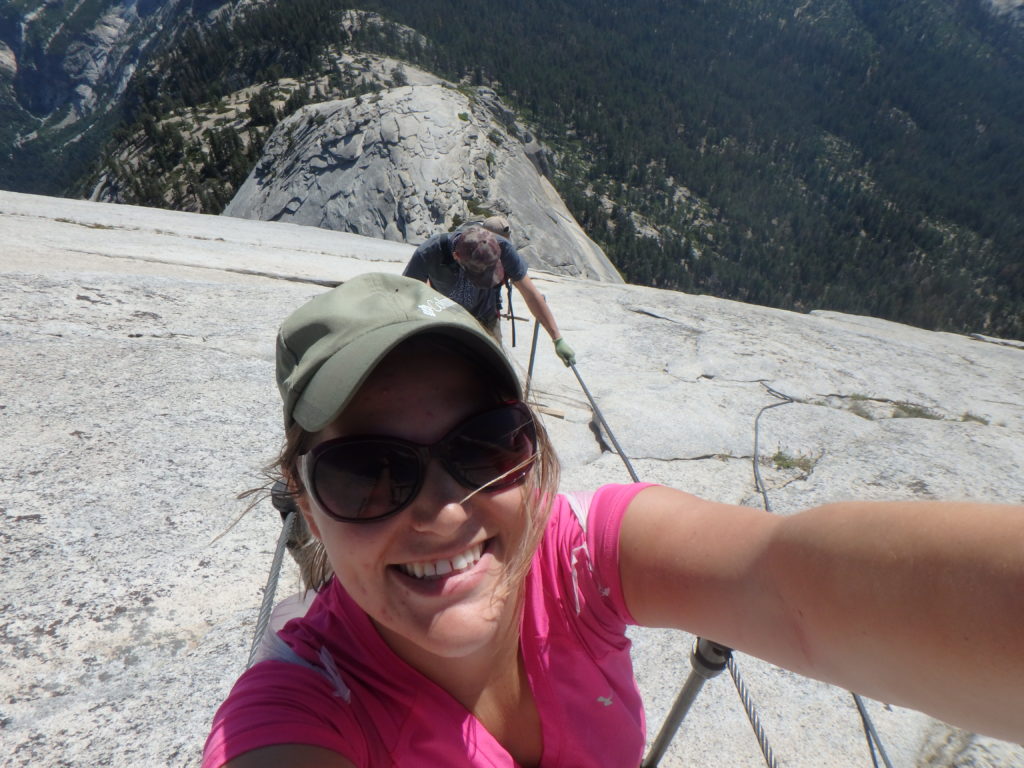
434	306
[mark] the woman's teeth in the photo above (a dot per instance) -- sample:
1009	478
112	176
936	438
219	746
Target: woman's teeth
438	568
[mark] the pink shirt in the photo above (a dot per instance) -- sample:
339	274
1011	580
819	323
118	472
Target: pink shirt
337	685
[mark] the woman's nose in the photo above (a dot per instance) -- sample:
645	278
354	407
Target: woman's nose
437	508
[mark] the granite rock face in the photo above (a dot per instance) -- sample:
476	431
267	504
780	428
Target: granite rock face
87	73
412	161
8	62
1012	10
137	400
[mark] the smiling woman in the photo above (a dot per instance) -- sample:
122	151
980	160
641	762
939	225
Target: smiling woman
401	568
467	614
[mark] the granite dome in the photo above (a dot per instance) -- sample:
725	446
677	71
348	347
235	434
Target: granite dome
412	161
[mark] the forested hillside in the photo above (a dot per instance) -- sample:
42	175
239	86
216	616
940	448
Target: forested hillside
842	154
859	156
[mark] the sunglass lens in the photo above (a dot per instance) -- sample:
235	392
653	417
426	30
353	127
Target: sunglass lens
496	444
366	479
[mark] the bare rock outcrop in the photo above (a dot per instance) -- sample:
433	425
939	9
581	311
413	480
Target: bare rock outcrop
8	62
86	75
1012	10
407	163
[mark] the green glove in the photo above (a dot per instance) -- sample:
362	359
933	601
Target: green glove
564	351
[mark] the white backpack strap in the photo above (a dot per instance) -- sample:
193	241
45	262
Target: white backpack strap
579	501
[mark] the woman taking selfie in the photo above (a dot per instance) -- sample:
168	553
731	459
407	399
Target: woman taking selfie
467	614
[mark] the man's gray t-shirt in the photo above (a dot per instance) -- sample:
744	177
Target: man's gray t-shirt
433	260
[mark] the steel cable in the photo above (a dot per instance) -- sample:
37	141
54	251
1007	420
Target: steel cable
748	705
869	727
607	429
268	592
751	710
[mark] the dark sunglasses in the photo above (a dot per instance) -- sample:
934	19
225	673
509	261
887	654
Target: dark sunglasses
366	478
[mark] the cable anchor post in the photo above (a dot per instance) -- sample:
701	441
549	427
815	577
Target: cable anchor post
708	660
533	358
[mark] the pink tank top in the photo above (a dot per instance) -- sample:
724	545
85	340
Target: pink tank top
334	683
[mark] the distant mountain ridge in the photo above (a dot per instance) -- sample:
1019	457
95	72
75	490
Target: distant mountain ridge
62	75
836	154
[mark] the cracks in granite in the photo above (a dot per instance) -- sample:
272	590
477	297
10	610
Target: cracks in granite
117	227
787	469
787	483
722	379
999	342
702	457
110	316
782	476
666	318
882	408
229	270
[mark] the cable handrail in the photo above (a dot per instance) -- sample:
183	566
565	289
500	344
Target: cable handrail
755	721
267	606
702	671
870	733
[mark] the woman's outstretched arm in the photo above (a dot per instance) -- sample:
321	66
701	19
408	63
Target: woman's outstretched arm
919	604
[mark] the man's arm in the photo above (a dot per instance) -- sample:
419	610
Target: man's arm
918	604
538	306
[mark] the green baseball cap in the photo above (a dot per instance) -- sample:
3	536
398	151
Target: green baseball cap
329	346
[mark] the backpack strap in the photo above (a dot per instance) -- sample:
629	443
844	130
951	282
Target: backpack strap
579	502
579	557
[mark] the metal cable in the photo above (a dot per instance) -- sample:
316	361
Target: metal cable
871	734
607	429
271	588
867	734
748	707
869	727
758	482
748	704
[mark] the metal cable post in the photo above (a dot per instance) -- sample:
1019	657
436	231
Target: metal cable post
708	660
706	656
533	356
711	650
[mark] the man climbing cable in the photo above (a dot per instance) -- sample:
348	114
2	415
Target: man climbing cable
469	267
